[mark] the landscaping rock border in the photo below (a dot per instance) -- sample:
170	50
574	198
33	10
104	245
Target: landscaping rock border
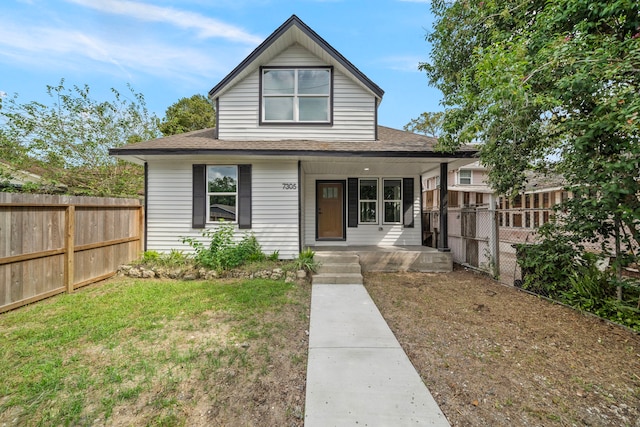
190	273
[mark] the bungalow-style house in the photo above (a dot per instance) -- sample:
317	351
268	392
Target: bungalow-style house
297	157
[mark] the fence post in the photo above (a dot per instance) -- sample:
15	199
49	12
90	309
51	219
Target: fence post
69	245
494	236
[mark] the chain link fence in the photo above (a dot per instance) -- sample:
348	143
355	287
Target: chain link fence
485	239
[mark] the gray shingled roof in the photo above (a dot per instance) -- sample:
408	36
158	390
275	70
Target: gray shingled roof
390	143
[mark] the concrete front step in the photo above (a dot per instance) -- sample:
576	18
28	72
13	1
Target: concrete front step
337	279
338	268
336	257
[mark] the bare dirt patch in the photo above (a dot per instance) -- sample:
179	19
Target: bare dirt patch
492	355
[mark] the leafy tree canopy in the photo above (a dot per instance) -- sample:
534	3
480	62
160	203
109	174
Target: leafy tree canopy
188	114
428	123
548	84
69	139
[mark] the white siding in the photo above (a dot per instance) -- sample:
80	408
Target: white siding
363	235
274	210
353	108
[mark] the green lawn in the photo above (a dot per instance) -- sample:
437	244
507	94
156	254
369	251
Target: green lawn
139	346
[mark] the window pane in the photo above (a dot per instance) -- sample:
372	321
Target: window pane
392	189
368	189
367	211
313	82
313	109
465	177
222	207
391	211
222	179
278	82
280	108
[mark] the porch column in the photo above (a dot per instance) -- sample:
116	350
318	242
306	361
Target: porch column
443	236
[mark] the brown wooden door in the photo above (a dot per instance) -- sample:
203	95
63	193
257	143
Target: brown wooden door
330	210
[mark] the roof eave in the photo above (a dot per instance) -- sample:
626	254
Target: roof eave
300	153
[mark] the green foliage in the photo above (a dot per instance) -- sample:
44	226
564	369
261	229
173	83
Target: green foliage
594	290
305	261
547	266
551	85
223	252
68	141
188	114
173	258
429	124
275	256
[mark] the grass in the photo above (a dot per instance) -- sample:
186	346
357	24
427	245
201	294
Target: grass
77	358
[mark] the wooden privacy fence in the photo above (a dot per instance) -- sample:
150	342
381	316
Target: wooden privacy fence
54	244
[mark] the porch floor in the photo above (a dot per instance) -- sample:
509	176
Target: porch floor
396	258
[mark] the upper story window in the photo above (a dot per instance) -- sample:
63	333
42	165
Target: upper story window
464	177
296	95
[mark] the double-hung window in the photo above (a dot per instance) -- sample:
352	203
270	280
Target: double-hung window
368	201
222	192
392	201
296	95
464	177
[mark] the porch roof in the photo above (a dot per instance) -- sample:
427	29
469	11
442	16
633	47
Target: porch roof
390	143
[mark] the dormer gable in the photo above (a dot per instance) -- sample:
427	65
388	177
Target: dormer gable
296	86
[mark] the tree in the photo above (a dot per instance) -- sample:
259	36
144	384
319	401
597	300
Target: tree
429	124
188	114
548	84
69	139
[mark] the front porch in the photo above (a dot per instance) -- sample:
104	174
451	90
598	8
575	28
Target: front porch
394	258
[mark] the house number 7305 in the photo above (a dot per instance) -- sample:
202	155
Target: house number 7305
289	186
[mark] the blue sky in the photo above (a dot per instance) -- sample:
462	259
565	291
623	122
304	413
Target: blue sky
167	49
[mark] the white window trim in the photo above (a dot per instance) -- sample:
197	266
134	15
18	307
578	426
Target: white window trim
217	193
360	200
391	201
295	95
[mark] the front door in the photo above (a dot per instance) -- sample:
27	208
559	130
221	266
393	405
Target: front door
330	210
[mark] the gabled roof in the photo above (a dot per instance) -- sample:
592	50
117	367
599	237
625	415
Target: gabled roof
293	31
391	143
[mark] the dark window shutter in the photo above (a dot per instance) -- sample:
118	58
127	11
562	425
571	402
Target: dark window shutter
407	201
244	196
199	211
352	202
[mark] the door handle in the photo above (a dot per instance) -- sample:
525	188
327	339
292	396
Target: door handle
319	211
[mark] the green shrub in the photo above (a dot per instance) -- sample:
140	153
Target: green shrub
223	252
547	266
174	258
306	262
594	291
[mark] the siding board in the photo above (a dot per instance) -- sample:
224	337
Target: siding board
353	108
274	210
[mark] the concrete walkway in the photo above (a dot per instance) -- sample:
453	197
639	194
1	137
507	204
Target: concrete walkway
357	373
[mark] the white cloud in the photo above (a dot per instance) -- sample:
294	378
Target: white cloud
402	63
56	48
206	27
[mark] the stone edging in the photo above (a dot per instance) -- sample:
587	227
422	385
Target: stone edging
190	273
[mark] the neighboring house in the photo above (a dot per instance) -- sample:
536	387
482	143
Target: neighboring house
482	226
297	157
16	180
